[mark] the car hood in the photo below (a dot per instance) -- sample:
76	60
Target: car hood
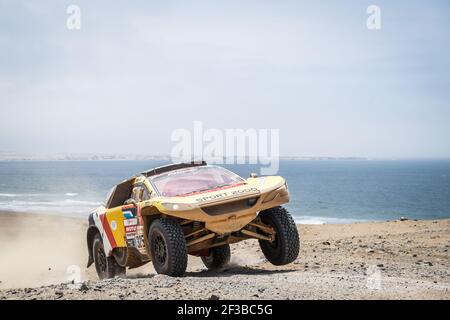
249	188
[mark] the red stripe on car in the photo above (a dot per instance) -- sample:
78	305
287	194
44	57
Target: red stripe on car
107	229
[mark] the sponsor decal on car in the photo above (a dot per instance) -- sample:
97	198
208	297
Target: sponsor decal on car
129	229
130	222
244	191
128	214
131	236
136	241
226	194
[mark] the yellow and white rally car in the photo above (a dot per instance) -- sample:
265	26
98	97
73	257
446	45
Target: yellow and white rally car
166	213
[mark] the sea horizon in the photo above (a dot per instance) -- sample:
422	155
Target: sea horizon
337	191
93	156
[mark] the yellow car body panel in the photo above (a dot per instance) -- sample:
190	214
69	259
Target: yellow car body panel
115	220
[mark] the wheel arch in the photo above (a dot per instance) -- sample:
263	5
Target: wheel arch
152	213
149	214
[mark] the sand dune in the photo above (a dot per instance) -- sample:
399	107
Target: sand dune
39	254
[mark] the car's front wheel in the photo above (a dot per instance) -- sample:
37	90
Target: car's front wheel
168	247
286	246
218	257
106	267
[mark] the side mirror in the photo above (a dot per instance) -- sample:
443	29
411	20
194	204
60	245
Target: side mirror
253	175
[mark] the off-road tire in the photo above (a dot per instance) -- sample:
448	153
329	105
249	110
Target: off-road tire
167	247
106	267
218	257
286	247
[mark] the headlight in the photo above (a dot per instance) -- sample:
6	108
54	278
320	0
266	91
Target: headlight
177	206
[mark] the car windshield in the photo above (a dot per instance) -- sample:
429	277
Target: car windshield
193	180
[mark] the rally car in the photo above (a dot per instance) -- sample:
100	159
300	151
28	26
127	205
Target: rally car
166	213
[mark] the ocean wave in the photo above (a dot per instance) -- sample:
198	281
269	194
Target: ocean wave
48	206
69	202
25	195
14	195
324	220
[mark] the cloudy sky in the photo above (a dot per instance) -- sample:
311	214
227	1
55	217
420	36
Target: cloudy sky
137	70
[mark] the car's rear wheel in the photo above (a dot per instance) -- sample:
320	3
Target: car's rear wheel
168	247
218	257
286	246
106	267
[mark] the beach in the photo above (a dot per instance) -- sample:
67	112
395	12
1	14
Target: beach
40	254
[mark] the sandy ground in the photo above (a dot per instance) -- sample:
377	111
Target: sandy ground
40	254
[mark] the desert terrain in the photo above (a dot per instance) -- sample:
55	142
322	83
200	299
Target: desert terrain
41	255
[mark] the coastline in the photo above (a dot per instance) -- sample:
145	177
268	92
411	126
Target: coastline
335	262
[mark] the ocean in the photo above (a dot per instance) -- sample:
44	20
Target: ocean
322	191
